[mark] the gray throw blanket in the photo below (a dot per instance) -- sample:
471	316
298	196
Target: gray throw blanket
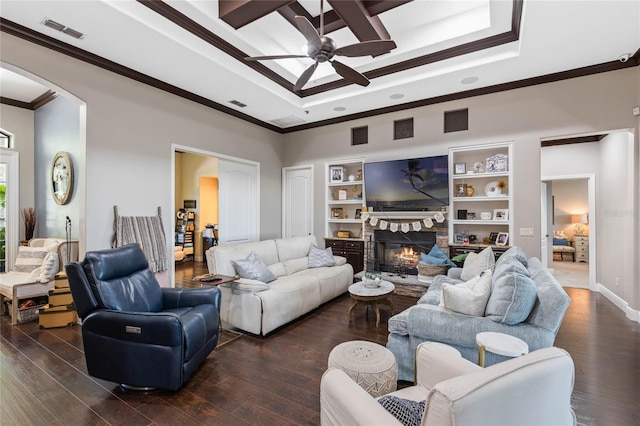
146	231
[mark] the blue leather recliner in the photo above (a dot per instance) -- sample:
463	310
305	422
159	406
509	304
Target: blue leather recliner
135	332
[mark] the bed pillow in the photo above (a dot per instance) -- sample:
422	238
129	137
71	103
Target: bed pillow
475	263
435	257
319	258
408	412
253	268
29	258
470	297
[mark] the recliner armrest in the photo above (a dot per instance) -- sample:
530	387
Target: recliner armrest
437	362
173	298
157	328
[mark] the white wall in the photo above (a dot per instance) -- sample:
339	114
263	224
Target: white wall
130	129
57	128
577	106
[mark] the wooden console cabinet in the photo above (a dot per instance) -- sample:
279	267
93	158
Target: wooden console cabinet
352	249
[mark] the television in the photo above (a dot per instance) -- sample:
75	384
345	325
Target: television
415	184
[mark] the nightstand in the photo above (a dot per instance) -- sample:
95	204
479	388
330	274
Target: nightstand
581	244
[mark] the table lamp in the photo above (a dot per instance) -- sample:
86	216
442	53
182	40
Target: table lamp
579	220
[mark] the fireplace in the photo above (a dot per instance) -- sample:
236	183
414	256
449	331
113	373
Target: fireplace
398	250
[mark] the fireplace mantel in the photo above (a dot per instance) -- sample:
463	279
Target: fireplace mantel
405	215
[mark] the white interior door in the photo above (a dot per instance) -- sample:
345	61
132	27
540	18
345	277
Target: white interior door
297	199
10	207
238	201
546	214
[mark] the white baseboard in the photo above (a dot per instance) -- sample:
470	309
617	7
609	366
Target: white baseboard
632	314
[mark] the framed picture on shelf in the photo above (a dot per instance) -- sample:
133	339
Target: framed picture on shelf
471	215
342	194
458	238
462	214
461	190
500	214
493	237
502	238
337	173
460	168
358	214
337	213
497	163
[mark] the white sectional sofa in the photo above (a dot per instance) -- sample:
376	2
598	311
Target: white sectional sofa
258	307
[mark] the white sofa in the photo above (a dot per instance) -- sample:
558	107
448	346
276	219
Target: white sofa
22	285
258	307
534	389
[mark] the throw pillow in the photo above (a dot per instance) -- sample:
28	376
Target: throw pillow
50	267
435	257
470	297
29	258
408	412
560	242
253	268
319	258
475	263
512	298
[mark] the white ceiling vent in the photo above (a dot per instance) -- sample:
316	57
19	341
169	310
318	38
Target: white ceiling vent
287	121
59	27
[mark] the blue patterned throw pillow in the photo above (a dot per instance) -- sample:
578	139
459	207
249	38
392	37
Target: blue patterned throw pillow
319	258
408	412
253	268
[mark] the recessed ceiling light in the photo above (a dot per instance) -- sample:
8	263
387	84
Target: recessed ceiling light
397	96
339	109
469	80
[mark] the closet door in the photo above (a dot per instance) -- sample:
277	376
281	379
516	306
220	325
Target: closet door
238	201
297	190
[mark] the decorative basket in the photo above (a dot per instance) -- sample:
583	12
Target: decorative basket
27	314
429	270
344	234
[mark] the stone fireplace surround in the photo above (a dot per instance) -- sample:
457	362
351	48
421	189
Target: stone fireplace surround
440	230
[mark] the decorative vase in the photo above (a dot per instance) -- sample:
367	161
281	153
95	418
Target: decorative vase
470	191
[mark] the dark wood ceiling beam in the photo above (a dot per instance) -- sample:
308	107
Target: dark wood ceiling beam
364	26
239	13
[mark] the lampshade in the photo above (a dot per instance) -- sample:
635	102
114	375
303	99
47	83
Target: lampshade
579	218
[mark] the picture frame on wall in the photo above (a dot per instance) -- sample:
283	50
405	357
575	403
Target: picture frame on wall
502	238
336	173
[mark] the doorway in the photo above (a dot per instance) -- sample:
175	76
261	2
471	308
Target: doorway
215	189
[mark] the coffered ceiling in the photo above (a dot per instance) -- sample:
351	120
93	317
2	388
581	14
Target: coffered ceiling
445	49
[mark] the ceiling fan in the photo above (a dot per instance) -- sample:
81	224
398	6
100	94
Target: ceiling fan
321	48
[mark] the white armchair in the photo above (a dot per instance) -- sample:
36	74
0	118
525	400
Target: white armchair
534	389
36	275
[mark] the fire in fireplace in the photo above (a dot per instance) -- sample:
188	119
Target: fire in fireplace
396	249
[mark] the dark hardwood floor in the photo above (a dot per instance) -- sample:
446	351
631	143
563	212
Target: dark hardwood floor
275	379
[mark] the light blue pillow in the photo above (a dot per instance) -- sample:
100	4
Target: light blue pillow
435	257
560	242
319	258
253	268
513	295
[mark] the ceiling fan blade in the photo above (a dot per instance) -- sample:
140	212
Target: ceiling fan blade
350	74
366	48
304	78
262	58
309	31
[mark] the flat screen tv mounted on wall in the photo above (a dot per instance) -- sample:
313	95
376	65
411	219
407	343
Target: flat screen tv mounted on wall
415	184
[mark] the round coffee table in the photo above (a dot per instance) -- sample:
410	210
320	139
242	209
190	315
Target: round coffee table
369	364
371	296
500	344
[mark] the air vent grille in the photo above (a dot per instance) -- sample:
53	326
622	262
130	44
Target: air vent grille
287	121
59	27
238	103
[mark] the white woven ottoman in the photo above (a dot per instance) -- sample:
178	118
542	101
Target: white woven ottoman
370	365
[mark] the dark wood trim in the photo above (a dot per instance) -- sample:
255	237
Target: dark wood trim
44	99
239	13
28	34
15	103
569	141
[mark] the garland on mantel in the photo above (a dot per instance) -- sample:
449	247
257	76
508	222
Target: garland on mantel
404	227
